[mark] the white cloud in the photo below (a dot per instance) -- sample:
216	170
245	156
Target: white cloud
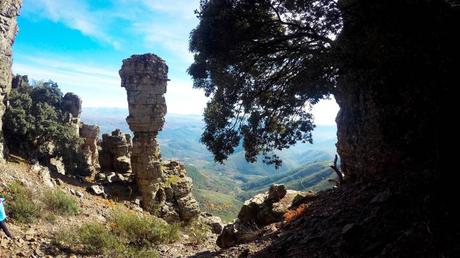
180	9
181	98
75	14
100	86
97	86
325	112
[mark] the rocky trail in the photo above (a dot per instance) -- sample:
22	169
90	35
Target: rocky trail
36	239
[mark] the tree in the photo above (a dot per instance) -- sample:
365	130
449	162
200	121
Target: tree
390	64
36	125
264	63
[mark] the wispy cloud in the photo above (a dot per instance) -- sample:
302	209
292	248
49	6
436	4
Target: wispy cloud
98	86
75	14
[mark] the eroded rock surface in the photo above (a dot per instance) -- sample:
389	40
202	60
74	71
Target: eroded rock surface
164	186
257	213
9	9
90	134
116	152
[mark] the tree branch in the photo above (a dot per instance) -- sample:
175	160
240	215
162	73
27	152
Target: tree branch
336	169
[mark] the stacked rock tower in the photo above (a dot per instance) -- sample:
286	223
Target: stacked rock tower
145	78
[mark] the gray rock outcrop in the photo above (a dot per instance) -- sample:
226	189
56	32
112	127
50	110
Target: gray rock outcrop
164	187
257	213
9	10
116	152
89	149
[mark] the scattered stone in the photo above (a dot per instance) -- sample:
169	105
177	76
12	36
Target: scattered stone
96	190
44	174
257	213
100	177
214	222
57	165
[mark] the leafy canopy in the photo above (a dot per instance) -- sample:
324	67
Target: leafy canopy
36	125
263	63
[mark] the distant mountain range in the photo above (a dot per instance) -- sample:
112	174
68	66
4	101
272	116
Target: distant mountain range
221	188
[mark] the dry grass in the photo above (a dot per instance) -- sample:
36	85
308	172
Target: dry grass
292	215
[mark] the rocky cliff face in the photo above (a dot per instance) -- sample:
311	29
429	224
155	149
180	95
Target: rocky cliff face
393	92
89	148
164	187
9	9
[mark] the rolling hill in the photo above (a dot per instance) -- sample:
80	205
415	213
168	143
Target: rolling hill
221	188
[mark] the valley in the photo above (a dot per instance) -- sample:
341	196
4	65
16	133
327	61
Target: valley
222	188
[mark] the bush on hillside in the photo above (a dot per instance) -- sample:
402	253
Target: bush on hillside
21	204
59	202
36	126
128	235
141	230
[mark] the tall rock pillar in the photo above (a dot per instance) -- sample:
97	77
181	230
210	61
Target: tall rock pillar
145	77
9	9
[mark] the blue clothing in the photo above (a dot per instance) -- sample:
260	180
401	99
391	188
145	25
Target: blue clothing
2	210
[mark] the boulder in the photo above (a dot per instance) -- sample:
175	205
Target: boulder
96	190
258	212
72	104
214	222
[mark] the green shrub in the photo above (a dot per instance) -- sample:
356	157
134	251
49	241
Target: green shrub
197	231
143	230
22	206
37	116
60	202
89	238
130	235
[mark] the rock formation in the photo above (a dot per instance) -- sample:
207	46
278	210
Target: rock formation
164	187
90	134
258	212
116	152
9	9
20	81
72	104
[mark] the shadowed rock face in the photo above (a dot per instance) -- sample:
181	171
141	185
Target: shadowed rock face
116	152
9	9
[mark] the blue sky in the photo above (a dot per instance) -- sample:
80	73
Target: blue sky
80	44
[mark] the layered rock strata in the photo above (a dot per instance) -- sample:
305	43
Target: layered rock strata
89	148
164	187
9	10
116	152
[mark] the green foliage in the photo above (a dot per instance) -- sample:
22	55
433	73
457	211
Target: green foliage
129	235
37	126
197	231
226	206
89	238
22	204
59	202
171	180
263	63
142	230
312	176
